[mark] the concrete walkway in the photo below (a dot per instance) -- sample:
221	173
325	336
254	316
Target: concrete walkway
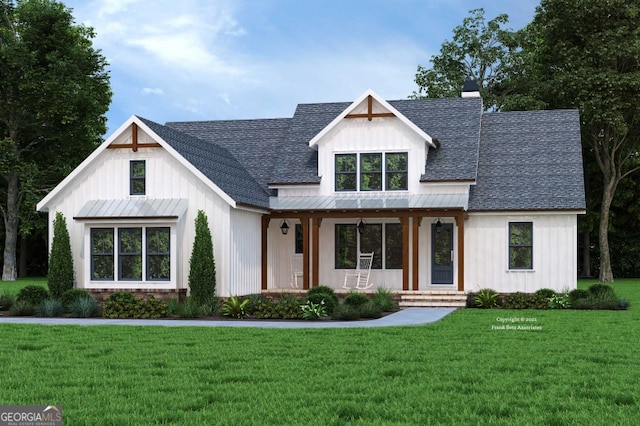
404	317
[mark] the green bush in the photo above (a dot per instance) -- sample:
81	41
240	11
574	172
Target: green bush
50	308
546	292
356	299
211	306
384	300
578	293
537	301
60	275
266	309
33	294
189	308
582	303
344	312
234	307
516	300
320	293
22	308
151	308
487	298
602	292
71	295
289	307
312	311
254	300
623	304
321	289
121	304
173	305
560	301
84	307
471	300
202	266
6	301
370	310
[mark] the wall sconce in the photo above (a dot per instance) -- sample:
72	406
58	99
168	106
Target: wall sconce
438	226
284	227
361	226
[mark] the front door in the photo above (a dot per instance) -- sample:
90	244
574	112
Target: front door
442	254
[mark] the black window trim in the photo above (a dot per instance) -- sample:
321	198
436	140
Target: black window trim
517	268
133	178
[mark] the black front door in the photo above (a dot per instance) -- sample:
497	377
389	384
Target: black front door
442	254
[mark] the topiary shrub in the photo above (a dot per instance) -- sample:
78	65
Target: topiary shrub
370	310
578	293
601	292
515	301
60	276
356	299
546	292
49	308
384	300
71	295
6	301
202	266
344	312
121	304
22	308
84	307
33	294
487	298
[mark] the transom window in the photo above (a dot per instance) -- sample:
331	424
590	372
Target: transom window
520	245
371	171
137	181
385	241
141	253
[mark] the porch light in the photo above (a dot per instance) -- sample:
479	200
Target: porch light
438	226
284	227
361	226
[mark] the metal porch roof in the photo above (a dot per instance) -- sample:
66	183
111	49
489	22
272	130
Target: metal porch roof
132	209
364	202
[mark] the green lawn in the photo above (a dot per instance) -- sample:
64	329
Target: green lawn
582	367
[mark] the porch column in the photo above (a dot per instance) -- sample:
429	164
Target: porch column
265	226
404	221
416	221
460	223
315	252
305	252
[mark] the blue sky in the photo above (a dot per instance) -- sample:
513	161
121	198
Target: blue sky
235	59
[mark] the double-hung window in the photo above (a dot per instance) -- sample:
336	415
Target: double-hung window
520	245
371	171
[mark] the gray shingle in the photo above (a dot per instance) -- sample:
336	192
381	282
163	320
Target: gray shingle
529	160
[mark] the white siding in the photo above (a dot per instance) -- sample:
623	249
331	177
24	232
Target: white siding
554	252
245	251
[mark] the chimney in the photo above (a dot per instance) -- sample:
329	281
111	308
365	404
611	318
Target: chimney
470	89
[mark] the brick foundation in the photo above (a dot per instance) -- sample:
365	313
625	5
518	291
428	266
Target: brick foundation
102	293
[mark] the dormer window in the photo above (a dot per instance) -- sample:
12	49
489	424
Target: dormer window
376	171
137	182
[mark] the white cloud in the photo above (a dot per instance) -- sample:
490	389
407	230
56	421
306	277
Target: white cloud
152	91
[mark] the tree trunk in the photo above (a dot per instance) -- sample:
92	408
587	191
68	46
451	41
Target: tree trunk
586	255
11	228
606	274
24	253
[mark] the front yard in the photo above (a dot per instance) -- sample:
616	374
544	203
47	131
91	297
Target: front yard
575	367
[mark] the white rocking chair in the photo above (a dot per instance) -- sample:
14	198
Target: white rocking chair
296	269
359	278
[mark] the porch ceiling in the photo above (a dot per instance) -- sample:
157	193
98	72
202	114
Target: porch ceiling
370	202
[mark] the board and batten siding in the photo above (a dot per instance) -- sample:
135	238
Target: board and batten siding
554	252
245	254
107	178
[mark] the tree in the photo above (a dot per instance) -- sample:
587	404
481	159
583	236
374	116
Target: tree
479	51
54	92
60	277
202	266
590	51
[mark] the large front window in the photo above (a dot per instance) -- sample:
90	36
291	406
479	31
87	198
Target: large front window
384	241
520	245
141	254
372	171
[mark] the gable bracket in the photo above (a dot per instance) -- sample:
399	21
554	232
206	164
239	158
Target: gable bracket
134	145
370	115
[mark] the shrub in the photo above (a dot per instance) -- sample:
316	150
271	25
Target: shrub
151	308
6	301
254	300
356	299
515	301
471	300
578	293
50	308
537	301
312	311
560	301
71	295
235	307
384	300
370	310
582	303
202	266
60	276
606	304
601	292
266	309
121	304
623	304
344	312
320	293
22	308
487	298
33	294
211	306
173	305
84	307
546	292
189	308
289	307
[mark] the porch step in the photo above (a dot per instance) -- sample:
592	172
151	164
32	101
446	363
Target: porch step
433	299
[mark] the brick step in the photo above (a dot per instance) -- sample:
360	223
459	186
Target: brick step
433	304
425	297
433	299
432	293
